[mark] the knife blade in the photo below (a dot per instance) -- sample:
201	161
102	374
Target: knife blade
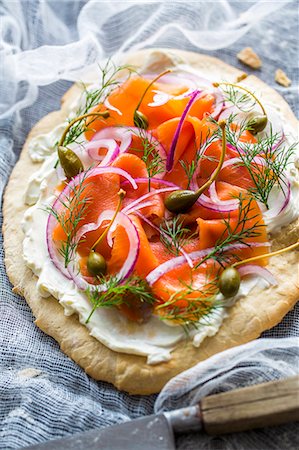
257	406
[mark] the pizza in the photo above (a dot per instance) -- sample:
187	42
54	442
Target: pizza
152	221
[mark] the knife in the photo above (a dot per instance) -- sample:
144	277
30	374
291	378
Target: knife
257	406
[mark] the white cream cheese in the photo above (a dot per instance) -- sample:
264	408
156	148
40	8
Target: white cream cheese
43	145
154	339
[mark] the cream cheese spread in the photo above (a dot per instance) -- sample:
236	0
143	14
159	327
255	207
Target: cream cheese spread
155	339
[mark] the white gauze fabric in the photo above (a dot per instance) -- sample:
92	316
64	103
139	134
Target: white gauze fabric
45	45
256	362
105	28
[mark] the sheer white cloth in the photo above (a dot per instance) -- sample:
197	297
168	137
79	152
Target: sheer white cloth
44	46
256	362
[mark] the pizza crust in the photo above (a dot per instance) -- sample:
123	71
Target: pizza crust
248	318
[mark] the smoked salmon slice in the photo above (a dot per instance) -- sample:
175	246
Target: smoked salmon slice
185	288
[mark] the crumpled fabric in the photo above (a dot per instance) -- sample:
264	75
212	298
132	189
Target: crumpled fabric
256	362
44	47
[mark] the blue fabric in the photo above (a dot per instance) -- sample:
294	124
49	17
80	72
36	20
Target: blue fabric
44	394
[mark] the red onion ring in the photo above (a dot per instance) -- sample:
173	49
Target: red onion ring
170	156
121	134
245	146
145	196
153	180
55	257
94	172
205	201
250	269
111	145
185	78
134	210
257	159
134	241
52	222
215	199
274	124
105	215
278	144
287	196
129	264
278	208
219	103
171	264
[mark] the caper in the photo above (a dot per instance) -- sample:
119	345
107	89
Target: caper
140	120
229	282
96	264
70	162
257	124
134	307
180	201
105	114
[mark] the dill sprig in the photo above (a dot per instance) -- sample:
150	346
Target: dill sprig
242	100
174	235
118	292
276	159
204	143
272	172
108	82
69	214
155	164
237	231
191	312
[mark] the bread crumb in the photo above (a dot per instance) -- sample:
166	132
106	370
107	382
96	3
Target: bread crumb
250	58
282	79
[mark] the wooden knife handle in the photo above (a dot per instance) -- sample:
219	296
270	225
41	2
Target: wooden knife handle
258	406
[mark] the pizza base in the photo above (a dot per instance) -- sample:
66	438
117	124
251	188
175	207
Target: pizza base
247	319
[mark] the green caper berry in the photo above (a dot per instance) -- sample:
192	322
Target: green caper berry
257	124
96	264
140	120
229	282
180	201
70	162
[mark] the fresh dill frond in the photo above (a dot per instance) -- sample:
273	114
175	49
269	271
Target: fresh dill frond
191	311
237	231
204	143
69	214
91	98
150	155
272	172
118	292
174	235
275	159
242	100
